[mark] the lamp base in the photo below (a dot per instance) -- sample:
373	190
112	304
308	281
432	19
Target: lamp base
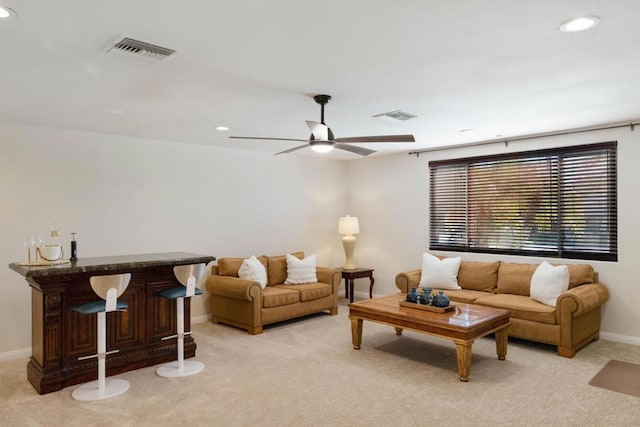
349	244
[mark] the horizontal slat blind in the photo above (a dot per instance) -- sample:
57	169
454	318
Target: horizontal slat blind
559	203
449	206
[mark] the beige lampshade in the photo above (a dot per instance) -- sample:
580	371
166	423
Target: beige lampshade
348	225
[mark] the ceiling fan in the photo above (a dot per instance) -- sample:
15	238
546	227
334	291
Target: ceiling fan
322	139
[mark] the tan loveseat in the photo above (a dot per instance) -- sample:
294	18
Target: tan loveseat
244	304
571	324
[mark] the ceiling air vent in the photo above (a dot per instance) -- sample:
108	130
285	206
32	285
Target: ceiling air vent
395	116
131	47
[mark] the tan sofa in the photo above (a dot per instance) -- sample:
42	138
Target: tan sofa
244	304
570	325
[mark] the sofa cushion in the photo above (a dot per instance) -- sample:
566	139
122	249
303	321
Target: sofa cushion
515	278
466	296
275	297
580	274
478	276
277	268
439	273
230	266
548	282
310	291
521	307
301	271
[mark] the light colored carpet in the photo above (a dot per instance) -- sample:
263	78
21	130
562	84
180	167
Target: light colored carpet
306	373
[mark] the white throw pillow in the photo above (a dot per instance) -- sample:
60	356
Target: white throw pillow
301	271
548	282
252	269
441	274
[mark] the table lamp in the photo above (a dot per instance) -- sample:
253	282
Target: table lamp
348	225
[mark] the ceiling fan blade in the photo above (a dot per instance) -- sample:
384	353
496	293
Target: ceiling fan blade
292	149
272	139
319	131
379	138
354	149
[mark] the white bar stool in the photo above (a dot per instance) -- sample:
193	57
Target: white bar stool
188	276
109	288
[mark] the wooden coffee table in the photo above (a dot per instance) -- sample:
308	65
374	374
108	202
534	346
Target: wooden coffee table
462	325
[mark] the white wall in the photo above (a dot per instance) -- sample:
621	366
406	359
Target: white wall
127	196
390	197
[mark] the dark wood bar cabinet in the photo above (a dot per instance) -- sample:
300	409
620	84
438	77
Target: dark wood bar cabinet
59	337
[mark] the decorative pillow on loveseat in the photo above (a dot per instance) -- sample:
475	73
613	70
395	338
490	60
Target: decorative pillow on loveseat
301	271
231	266
439	273
252	269
548	282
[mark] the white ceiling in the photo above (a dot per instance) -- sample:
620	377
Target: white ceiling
498	66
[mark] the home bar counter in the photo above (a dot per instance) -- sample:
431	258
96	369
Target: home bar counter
59	336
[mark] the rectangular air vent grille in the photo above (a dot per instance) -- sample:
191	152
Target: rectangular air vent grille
395	116
133	47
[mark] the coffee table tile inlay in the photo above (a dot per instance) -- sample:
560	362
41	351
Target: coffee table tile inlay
463	325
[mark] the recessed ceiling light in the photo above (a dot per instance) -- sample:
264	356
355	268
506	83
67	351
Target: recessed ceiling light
579	24
6	12
222	128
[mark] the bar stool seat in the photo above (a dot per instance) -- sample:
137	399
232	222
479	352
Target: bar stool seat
94	307
109	288
177	292
188	276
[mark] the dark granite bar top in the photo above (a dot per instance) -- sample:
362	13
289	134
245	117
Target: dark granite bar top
110	263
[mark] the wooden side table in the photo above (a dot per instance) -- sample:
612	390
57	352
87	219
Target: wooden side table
357	273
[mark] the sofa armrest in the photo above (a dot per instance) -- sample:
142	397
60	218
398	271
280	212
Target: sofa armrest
233	287
582	299
328	275
407	280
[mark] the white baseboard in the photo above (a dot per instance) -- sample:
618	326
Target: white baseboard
16	354
201	319
625	339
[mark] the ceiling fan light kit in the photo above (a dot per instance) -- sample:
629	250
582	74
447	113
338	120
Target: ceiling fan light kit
321	146
322	139
6	12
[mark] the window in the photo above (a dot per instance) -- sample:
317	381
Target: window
558	203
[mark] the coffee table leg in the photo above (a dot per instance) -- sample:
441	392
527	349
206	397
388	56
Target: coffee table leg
463	353
398	331
502	338
356	332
